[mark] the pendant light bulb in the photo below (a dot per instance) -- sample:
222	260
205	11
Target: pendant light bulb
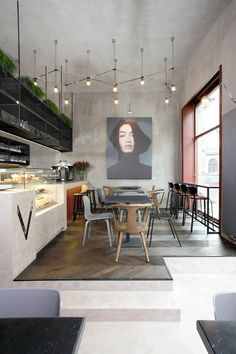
115	88
167	100
35	82
129	109
17	102
66	101
88	81
55	89
116	101
173	88
142	82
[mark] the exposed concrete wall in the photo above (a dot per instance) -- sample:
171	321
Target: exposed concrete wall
90	134
217	48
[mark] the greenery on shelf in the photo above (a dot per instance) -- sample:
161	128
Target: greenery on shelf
7	62
52	105
35	89
67	120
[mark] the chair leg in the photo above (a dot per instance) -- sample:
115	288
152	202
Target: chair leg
174	231
109	231
144	246
151	226
168	195
120	235
85	231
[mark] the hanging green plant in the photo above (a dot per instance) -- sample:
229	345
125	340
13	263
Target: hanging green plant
35	89
52	105
7	62
67	120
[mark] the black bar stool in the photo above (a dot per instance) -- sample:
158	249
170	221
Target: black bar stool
170	192
91	194
78	204
194	197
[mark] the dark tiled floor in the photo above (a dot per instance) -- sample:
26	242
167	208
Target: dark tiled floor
65	258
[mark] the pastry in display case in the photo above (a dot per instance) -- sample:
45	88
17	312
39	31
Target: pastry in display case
42	181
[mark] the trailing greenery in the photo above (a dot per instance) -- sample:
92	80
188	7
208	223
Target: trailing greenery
52	106
7	62
35	89
67	120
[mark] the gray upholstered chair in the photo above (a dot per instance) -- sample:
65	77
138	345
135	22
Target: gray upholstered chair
29	302
90	217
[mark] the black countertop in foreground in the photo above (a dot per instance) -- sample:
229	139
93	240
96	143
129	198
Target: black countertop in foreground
219	337
57	335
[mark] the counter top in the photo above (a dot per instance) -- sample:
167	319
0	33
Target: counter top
52	335
218	336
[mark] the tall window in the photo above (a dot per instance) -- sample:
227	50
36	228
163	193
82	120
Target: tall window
201	140
207	138
207	120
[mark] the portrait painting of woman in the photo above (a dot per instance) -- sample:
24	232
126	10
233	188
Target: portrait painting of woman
129	148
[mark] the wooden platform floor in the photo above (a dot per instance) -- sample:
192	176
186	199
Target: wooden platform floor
65	258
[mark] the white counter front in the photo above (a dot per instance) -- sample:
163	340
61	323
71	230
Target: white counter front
19	246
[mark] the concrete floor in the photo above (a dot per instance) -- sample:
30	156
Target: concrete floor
196	280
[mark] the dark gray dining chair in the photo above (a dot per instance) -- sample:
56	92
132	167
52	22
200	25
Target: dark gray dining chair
29	302
224	305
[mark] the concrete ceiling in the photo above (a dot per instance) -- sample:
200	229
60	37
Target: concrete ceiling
79	25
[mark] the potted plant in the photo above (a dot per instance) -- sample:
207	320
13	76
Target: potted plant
81	166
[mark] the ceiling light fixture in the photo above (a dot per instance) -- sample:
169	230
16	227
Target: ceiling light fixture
114	84
173	87
56	90
166	80
142	82
129	109
230	96
35	78
66	101
116	100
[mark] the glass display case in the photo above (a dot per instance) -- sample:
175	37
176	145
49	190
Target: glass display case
42	181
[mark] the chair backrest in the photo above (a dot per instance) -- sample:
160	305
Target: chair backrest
87	207
174	204
171	185
101	195
134	223
192	190
29	302
224	305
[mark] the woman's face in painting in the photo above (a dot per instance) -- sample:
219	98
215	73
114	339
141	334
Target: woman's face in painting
126	138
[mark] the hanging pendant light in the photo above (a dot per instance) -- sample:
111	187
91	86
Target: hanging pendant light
115	86
173	87
142	82
116	100
35	78
166	83
55	89
129	109
88	77
66	100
